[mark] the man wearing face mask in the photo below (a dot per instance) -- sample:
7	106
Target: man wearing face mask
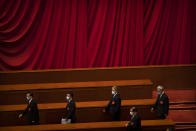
114	104
70	110
162	103
31	110
135	122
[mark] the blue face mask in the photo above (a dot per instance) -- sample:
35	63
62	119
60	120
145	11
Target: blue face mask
158	93
28	98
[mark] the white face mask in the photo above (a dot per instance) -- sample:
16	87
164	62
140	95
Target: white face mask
131	113
67	97
113	92
28	98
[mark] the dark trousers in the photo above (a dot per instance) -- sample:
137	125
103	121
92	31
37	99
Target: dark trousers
161	116
33	123
115	116
73	120
129	128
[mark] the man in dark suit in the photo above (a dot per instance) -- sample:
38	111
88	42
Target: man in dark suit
162	103
70	109
114	105
135	122
31	110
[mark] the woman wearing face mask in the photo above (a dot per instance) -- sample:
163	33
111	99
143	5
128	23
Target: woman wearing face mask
135	122
114	105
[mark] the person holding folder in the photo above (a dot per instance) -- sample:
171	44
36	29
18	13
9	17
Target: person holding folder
69	110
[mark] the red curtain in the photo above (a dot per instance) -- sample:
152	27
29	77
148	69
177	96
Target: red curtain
53	34
43	34
169	31
115	33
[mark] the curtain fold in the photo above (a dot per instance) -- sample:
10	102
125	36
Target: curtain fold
44	34
115	36
56	34
167	31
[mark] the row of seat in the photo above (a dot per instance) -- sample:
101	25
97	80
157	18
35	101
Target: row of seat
185	126
84	112
147	125
91	98
83	91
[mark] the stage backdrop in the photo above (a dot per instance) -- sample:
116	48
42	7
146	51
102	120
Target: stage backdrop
53	34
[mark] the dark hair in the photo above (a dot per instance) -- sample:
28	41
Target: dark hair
70	93
30	93
134	109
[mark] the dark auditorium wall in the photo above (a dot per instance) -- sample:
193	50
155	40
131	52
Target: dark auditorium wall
171	76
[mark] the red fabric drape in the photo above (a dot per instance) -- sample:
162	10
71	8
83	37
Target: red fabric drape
52	34
115	36
169	31
43	34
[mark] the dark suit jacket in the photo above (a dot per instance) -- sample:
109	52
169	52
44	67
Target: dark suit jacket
114	105
32	112
134	124
70	111
162	105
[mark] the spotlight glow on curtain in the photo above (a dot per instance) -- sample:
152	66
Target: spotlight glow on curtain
56	34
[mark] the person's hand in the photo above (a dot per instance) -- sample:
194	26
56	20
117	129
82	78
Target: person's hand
33	121
126	124
20	115
104	110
